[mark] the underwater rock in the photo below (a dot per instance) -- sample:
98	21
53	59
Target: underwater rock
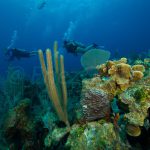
19	113
94	136
49	120
95	104
54	139
48	140
20	129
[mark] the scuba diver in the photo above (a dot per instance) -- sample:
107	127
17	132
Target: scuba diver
75	47
13	53
42	4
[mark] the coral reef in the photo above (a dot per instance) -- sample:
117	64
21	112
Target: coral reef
107	110
20	129
114	78
137	98
121	73
126	88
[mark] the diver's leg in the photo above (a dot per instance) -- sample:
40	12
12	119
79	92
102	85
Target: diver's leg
90	47
33	53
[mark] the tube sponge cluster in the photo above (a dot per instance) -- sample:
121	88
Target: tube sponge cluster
56	86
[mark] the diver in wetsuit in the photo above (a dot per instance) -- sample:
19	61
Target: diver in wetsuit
13	53
42	4
75	47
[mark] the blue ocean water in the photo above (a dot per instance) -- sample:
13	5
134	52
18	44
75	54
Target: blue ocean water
33	109
118	26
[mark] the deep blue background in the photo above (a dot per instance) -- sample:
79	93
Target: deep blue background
118	25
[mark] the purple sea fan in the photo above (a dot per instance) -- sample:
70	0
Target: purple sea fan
95	104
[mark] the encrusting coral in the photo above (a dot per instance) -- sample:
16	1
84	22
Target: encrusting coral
94	136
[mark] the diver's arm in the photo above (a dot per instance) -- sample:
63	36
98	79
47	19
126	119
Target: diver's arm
90	47
21	50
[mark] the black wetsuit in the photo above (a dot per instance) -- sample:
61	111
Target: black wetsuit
17	53
41	5
78	48
71	46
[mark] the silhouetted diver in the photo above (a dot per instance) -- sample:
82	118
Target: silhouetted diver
42	5
13	53
75	47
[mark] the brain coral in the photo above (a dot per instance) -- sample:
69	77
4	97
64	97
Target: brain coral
95	104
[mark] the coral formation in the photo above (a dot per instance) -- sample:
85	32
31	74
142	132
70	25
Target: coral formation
137	98
121	73
56	92
125	82
95	104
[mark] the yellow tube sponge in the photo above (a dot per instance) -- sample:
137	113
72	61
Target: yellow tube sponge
54	91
